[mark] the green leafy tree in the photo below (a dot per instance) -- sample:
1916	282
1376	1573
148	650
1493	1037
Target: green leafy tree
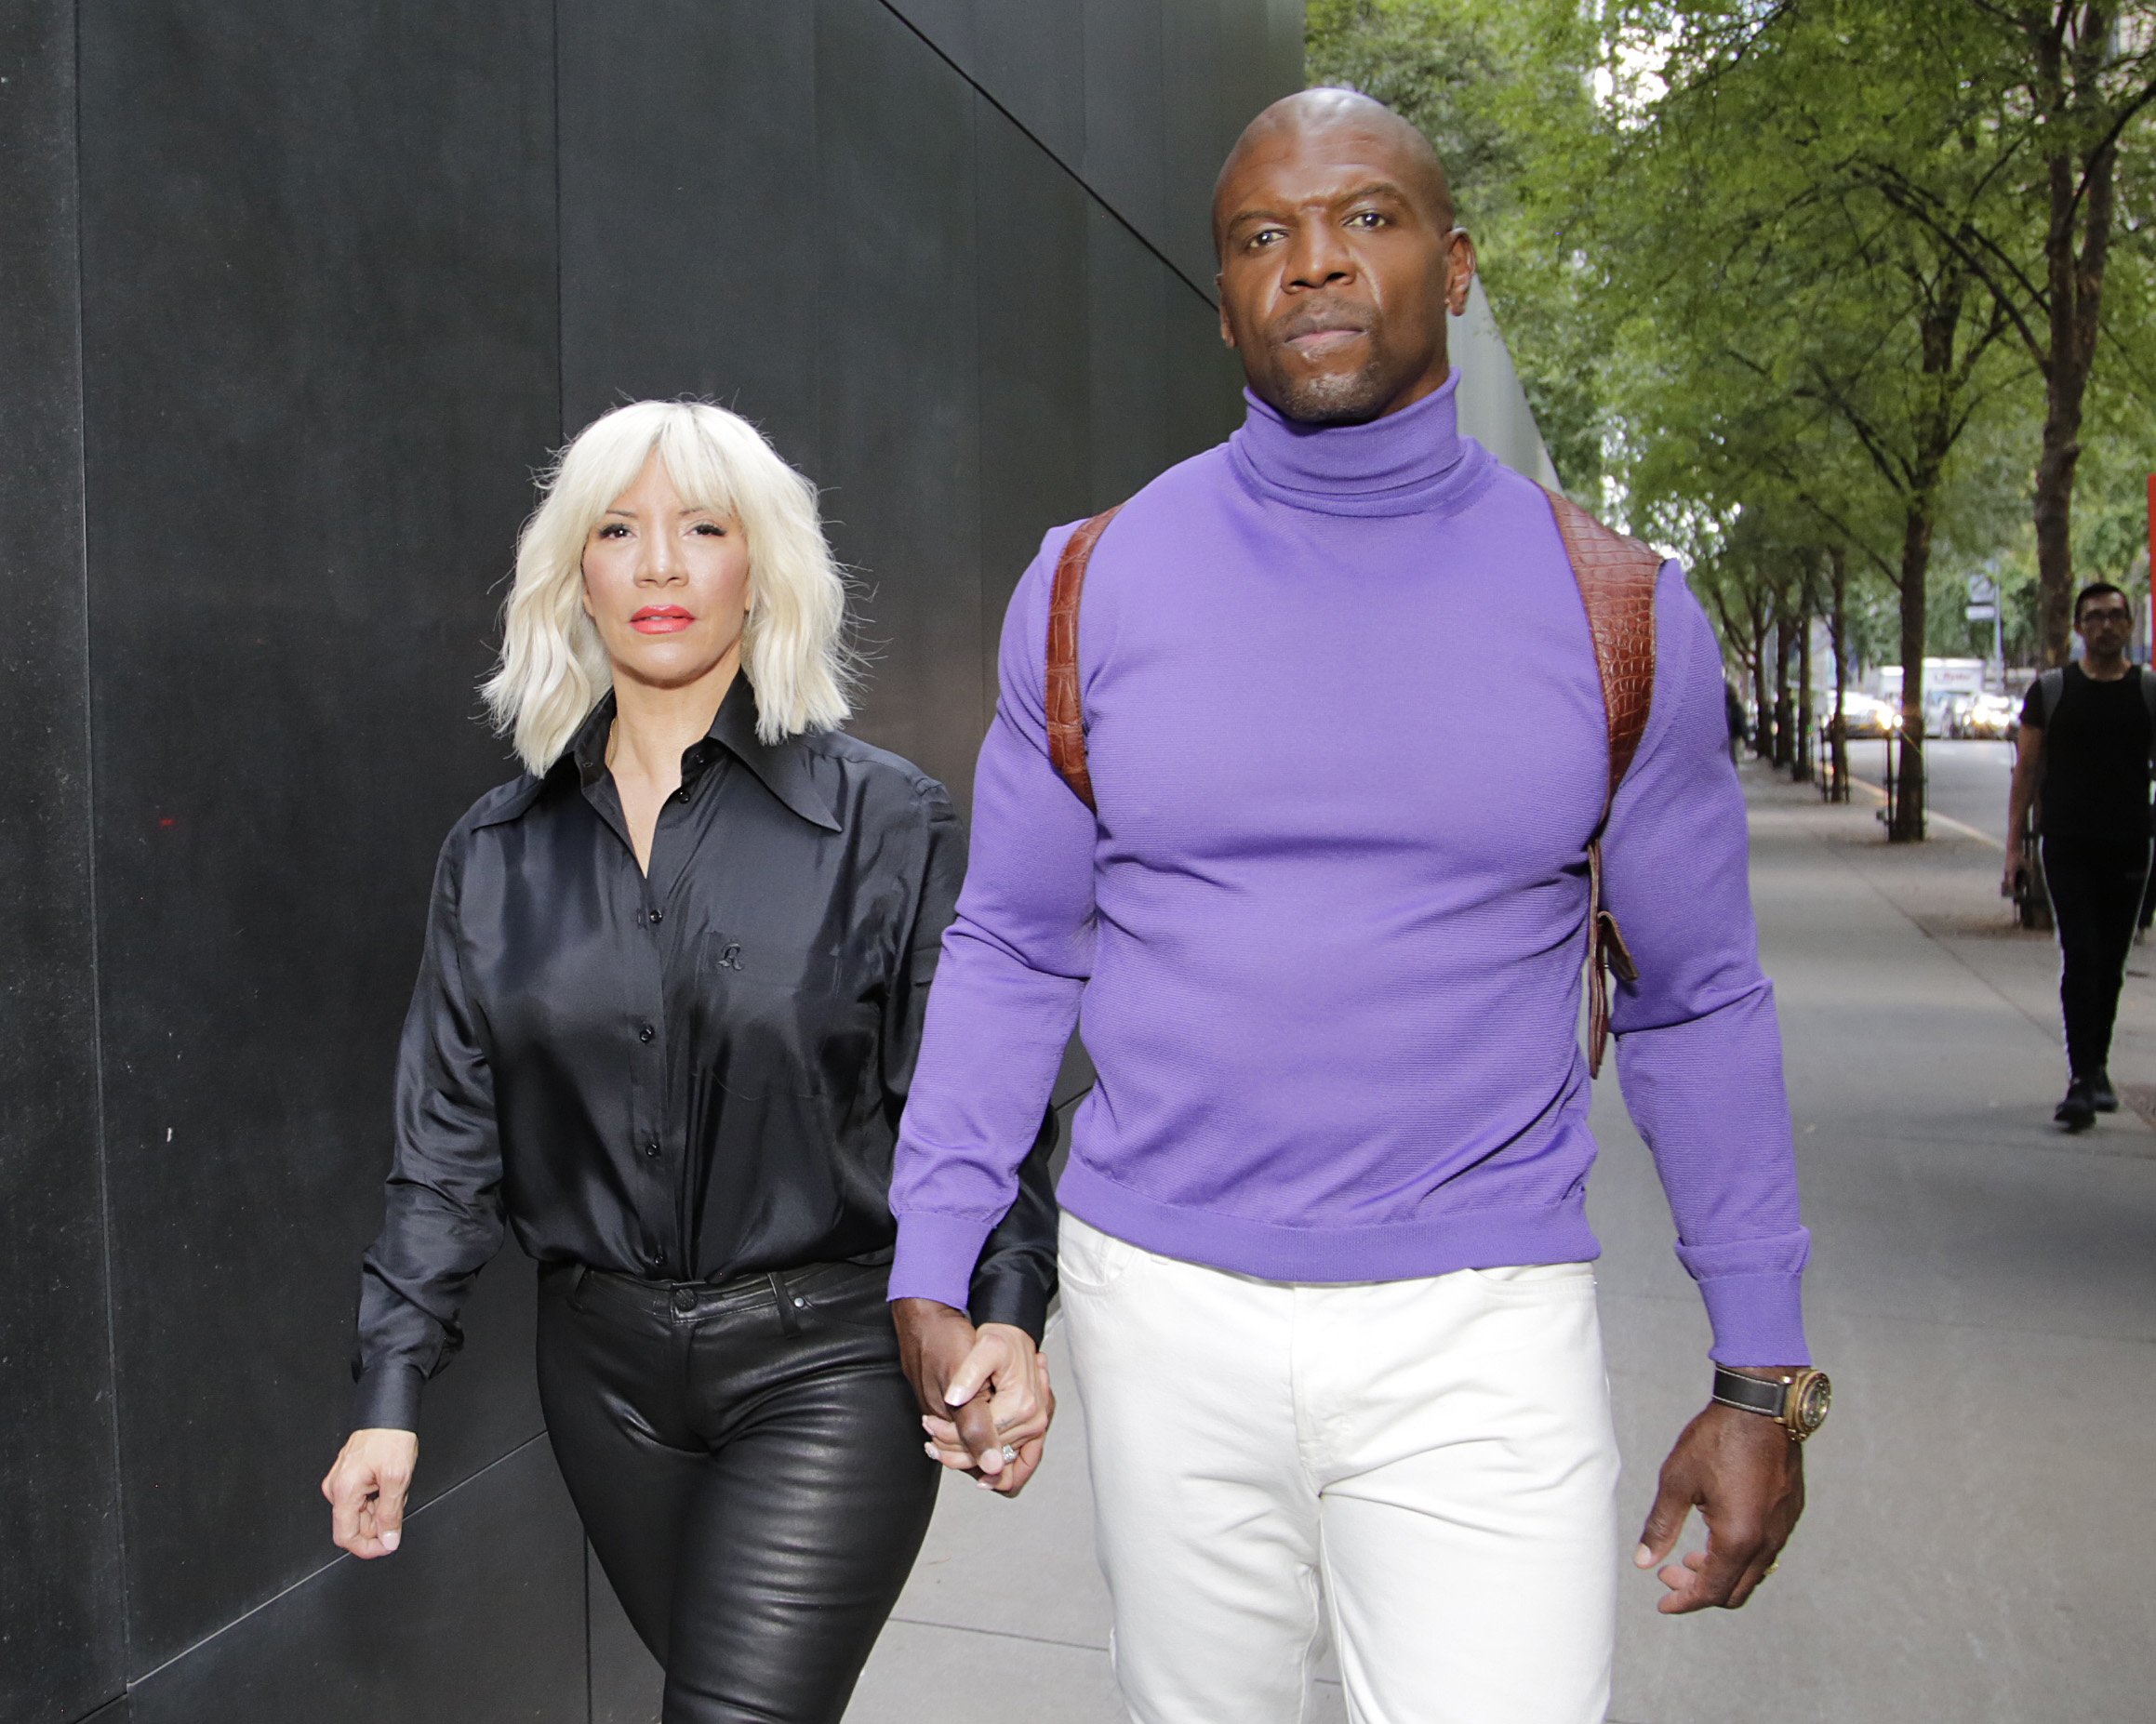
1504	93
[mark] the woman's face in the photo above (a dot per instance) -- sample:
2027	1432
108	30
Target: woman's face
667	585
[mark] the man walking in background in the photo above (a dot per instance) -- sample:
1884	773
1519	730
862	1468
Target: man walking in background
1324	894
2083	755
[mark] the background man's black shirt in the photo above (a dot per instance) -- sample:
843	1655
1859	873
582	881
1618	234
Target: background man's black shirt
690	1075
2095	759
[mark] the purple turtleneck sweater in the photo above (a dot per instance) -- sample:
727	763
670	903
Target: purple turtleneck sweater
1323	941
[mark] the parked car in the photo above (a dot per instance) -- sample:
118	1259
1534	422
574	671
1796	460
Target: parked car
1989	716
1866	715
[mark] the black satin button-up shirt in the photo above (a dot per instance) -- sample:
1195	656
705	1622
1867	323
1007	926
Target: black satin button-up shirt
690	1075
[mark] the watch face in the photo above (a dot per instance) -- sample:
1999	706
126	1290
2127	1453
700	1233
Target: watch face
1814	1396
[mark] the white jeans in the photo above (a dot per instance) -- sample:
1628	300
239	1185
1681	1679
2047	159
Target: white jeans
1440	1450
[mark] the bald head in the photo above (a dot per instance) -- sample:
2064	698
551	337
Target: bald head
1344	124
1338	258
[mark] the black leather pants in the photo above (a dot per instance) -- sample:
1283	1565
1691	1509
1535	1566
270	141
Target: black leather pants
747	1464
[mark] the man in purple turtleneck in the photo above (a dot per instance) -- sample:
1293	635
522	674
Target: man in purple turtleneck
1325	1260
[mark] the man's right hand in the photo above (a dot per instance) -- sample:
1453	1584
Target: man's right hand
2015	866
366	1488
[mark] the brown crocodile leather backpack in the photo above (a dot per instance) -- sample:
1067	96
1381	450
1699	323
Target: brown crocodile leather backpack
1617	577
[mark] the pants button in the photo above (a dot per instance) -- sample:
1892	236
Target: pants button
685	1300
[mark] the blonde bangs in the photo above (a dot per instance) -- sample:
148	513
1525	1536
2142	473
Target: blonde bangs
552	667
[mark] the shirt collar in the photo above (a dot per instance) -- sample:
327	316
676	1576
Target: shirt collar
781	767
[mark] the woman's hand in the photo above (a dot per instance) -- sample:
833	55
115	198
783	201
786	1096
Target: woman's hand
1006	1368
366	1488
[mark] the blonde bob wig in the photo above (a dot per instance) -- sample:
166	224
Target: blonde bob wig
553	668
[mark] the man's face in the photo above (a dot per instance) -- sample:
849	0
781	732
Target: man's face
2104	624
1337	270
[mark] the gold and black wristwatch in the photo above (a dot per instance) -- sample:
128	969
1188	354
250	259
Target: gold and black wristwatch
1797	1400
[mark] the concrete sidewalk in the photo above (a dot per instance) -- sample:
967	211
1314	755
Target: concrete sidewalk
1983	1288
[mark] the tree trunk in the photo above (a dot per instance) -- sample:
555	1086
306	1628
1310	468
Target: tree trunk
1782	725
1763	746
1801	768
2054	516
2073	297
1838	632
1916	555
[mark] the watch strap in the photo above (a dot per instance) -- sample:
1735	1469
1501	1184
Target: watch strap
1753	1394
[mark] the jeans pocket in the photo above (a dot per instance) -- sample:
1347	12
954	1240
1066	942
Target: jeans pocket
1089	1260
857	1301
1535	1280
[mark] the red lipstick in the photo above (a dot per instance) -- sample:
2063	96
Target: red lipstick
662	619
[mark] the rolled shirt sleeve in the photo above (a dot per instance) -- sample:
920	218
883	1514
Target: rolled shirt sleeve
443	1215
1015	963
1698	1047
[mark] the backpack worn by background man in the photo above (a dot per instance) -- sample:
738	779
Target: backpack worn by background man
1616	580
2052	684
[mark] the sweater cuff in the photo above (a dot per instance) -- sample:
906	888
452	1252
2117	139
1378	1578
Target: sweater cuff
935	1257
387	1397
1758	1319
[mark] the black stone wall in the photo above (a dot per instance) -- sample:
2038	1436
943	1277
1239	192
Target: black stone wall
293	298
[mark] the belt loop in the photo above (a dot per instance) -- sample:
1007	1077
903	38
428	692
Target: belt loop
788	1323
576	1285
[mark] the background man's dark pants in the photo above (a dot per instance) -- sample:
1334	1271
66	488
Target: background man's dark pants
2096	900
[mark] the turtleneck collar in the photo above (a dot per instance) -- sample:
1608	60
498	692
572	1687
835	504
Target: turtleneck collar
1409	462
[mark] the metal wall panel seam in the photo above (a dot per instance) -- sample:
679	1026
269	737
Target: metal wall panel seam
96	921
936	49
561	339
314	1574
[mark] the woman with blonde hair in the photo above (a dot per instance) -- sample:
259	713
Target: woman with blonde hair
665	1022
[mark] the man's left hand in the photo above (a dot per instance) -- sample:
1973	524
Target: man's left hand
1747	1478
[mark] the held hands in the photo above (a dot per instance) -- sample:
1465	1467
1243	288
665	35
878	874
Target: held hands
980	1391
1747	1478
367	1487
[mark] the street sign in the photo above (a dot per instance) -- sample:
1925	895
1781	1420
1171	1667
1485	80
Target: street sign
1982	612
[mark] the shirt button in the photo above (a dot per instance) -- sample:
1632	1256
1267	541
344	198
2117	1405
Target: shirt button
653	917
651	1148
645	1033
682	795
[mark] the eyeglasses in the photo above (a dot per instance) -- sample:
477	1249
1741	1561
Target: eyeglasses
2112	614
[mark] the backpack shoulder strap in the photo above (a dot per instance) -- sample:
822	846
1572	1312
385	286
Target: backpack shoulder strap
1065	705
2049	687
1617	577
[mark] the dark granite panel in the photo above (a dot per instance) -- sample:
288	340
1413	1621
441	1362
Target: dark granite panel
1035	336
1124	129
1281	67
627	1682
899	379
1205	393
320	364
689	246
119	1711
480	1616
1129	295
1200	113
62	1650
1029	60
